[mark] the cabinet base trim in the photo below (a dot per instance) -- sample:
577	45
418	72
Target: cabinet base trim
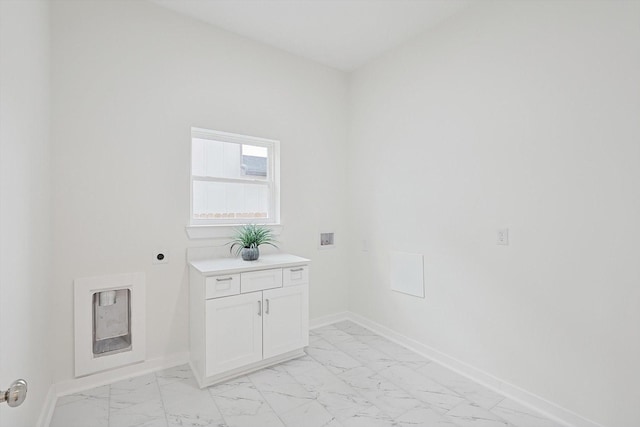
228	375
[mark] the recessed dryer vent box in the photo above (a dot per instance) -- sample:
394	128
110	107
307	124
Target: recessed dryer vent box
109	320
327	240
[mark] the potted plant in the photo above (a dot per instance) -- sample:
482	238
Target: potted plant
248	238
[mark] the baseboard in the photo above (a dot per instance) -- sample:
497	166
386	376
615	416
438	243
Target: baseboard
76	385
549	409
48	407
518	394
328	319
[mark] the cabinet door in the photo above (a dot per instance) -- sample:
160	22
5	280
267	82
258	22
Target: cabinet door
234	332
286	319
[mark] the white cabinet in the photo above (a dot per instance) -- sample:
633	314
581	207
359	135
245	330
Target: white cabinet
247	315
233	332
286	320
295	275
222	286
261	279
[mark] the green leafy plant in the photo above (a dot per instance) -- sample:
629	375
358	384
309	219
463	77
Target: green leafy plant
251	236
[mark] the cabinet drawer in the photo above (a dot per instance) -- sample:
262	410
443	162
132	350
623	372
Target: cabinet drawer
259	280
295	275
222	286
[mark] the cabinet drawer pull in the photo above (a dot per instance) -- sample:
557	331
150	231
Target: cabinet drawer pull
266	310
259	308
296	269
223	280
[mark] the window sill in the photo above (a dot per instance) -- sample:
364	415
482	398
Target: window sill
221	231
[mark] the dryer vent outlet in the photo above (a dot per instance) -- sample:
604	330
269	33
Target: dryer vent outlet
327	240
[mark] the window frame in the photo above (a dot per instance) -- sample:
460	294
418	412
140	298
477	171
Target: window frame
272	182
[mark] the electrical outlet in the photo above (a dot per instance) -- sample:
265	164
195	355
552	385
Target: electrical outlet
503	237
160	256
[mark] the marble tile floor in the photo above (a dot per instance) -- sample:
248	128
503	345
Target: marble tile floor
350	377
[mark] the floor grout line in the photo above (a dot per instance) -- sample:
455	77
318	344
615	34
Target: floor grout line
224	420
341	351
437	410
267	402
348	385
461	395
109	408
333	417
164	408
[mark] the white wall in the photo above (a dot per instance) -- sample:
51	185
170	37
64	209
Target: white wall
25	242
512	114
522	115
129	80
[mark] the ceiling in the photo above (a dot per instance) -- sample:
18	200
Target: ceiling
342	34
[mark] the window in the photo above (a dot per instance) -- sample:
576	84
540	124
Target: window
234	179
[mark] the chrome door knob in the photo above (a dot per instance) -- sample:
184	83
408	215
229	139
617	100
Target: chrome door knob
16	394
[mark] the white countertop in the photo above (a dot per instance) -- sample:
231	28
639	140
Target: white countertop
237	265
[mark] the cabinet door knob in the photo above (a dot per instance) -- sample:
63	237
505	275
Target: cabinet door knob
259	308
266	310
